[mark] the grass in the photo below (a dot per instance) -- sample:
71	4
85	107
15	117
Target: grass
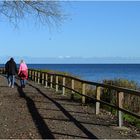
132	120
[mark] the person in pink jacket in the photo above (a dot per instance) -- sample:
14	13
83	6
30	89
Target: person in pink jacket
23	73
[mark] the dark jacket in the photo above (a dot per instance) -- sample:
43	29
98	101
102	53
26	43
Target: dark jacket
11	67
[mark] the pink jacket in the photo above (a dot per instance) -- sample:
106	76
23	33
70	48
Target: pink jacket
23	69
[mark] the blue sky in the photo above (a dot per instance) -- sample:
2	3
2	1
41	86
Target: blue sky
92	29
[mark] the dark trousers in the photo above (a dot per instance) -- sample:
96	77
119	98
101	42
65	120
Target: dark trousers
23	82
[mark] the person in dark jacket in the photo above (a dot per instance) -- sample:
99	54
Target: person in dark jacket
11	70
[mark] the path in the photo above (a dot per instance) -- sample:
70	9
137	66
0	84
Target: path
37	112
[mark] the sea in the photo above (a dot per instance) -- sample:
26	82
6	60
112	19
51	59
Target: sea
95	72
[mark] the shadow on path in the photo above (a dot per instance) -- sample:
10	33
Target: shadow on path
68	115
38	120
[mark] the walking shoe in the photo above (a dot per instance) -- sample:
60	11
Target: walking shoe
12	86
9	85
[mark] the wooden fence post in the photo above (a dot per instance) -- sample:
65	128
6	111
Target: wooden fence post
98	93
64	82
120	97
32	75
46	80
38	76
35	76
42	78
29	73
51	84
56	83
83	92
72	86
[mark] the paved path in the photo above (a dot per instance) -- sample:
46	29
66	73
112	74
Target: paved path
37	112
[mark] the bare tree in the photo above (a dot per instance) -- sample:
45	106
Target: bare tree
47	12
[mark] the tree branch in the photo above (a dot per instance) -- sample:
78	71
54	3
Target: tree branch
47	12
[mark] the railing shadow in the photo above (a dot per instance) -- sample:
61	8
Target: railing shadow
99	124
76	112
37	118
68	104
67	114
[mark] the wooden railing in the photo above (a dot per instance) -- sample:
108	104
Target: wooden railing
51	80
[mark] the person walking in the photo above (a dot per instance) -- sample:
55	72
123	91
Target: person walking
11	70
23	73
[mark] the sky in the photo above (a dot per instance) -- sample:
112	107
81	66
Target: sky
93	29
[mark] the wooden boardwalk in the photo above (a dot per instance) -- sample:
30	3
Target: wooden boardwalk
37	112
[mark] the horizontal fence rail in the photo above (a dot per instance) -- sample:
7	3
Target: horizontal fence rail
51	80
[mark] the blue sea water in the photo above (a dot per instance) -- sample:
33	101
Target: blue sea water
96	72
